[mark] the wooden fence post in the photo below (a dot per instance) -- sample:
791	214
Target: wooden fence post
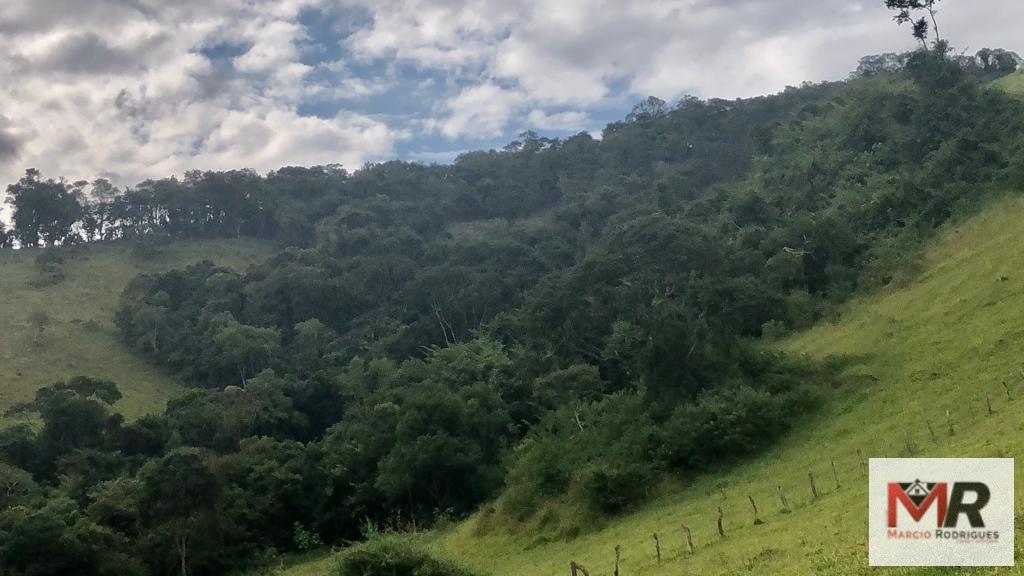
689	539
657	548
617	548
721	517
782	500
757	521
576	569
814	489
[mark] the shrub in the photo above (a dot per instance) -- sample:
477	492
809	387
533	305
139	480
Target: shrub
304	539
616	490
49	268
394	555
734	421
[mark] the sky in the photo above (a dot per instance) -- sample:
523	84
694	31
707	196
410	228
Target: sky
135	89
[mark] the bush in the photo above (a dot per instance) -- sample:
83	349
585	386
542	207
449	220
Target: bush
730	422
602	455
149	247
617	490
49	268
394	555
304	539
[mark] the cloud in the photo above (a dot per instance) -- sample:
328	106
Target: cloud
8	146
141	89
480	111
436	156
87	53
561	121
169	92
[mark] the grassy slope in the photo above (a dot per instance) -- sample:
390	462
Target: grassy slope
82	338
1014	83
942	343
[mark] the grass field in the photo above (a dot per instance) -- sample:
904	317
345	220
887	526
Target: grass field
1014	83
945	342
80	338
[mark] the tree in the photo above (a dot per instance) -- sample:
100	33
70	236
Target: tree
905	13
75	413
649	109
178	500
45	211
244	349
57	540
6	236
221	419
16	487
97	209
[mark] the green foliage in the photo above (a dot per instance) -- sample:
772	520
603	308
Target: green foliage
425	439
57	539
897	345
17	488
304	539
45	211
391	555
81	337
50	268
563	322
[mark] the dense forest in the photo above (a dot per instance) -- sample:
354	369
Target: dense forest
564	321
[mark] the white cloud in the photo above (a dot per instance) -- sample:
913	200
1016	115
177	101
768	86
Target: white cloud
573	52
563	121
480	111
436	157
81	101
121	86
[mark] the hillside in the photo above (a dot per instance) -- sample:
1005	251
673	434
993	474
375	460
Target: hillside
80	337
1014	83
574	344
944	342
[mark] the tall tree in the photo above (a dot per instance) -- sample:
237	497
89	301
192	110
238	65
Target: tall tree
179	495
905	10
45	211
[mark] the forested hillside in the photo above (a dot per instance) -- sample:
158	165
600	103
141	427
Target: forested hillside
562	325
950	334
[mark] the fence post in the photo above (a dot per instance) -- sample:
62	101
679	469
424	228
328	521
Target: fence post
575	569
782	500
689	539
814	489
721	517
835	475
617	547
657	548
757	520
